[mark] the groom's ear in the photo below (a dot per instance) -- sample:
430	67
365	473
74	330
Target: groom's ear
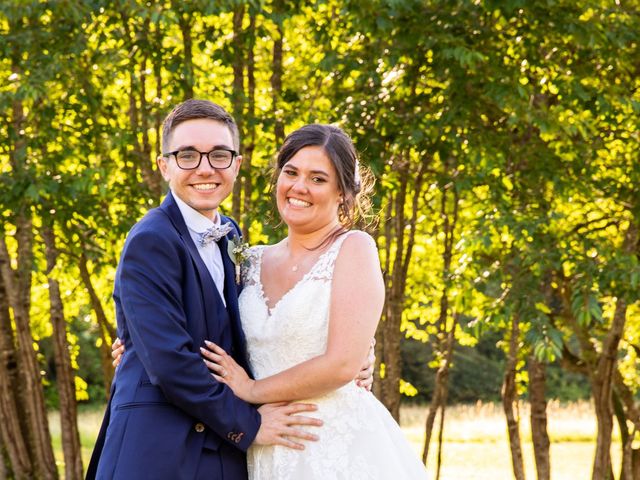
161	162
237	163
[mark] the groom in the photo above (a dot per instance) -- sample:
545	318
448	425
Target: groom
174	288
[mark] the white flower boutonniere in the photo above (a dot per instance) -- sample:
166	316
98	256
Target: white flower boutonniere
238	253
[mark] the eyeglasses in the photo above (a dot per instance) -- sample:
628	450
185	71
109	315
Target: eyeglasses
189	159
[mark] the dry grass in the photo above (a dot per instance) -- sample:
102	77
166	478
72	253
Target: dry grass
476	446
475	440
89	422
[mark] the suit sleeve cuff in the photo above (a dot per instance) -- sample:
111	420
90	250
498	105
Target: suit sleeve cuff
243	440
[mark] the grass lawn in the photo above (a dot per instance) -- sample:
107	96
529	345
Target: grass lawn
475	440
476	447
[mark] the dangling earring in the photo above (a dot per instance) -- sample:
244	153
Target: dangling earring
342	210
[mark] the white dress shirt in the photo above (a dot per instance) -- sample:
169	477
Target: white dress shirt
210	253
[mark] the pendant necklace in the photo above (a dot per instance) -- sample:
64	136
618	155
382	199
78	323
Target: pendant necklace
301	260
294	268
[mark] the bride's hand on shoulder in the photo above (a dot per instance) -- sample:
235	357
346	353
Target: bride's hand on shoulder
226	370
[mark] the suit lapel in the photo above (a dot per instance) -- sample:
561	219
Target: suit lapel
214	307
231	296
170	207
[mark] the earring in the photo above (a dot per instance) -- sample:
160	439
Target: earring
342	210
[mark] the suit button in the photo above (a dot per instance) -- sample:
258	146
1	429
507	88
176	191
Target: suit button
199	427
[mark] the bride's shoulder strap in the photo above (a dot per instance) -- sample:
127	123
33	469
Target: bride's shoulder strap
324	267
340	240
335	248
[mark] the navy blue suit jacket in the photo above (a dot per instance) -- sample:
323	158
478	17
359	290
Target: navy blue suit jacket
167	417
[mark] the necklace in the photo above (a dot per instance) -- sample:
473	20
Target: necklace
310	254
294	268
299	262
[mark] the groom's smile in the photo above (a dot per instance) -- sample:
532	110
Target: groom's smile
206	187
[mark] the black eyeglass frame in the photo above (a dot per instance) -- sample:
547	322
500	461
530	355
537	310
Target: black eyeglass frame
175	153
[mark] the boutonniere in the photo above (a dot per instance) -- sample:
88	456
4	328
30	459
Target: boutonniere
238	253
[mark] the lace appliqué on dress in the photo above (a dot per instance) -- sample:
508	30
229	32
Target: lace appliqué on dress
250	268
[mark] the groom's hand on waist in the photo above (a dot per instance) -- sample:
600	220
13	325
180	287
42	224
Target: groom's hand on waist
280	424
364	378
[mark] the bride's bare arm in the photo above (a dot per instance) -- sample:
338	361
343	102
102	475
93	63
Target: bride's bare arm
357	298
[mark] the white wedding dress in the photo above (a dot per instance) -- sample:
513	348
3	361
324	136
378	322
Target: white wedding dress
359	439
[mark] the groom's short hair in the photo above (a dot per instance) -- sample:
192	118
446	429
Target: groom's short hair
193	109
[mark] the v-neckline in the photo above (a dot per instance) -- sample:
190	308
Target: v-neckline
263	295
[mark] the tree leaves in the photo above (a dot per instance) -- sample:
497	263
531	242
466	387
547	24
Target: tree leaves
528	111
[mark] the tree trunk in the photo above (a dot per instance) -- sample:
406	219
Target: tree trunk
136	152
603	376
393	311
626	436
65	376
394	300
601	385
13	285
11	432
439	399
431	418
443	409
626	410
602	467
386	268
630	459
250	129
185	22
443	346
276	73
510	398
540	437
4	462
152	177
157	73
129	39
403	237
31	391
18	286
105	329
237	98
390	384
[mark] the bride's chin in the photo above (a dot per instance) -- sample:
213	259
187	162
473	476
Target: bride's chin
295	221
301	228
295	227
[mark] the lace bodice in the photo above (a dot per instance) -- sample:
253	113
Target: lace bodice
293	331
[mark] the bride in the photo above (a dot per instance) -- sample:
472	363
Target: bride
309	307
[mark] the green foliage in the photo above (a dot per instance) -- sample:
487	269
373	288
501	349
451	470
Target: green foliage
521	116
477	374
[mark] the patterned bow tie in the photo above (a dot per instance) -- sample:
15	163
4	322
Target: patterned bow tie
213	234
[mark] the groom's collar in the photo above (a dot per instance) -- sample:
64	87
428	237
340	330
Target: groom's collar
194	220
